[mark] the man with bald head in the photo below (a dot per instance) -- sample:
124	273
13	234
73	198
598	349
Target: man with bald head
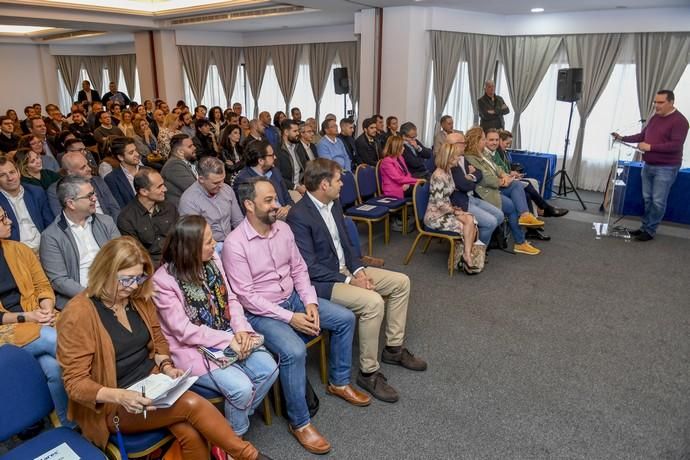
74	163
491	107
271	133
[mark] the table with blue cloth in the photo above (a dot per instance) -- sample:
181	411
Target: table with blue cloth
678	205
539	166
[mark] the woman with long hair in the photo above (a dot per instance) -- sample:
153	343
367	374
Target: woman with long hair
215	117
30	166
35	143
15	121
126	125
171	126
197	308
232	153
442	215
278	118
514	206
396	180
109	338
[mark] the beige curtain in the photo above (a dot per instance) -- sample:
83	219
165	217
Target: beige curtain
94	67
321	56
349	57
286	64
227	60
128	62
69	67
113	65
446	51
481	53
196	60
255	62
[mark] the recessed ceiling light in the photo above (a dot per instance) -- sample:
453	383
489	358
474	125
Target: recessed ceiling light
537	10
20	30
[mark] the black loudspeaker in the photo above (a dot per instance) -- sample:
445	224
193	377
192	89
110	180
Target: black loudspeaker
340	81
569	87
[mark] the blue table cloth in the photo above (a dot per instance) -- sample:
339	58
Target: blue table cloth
539	166
678	205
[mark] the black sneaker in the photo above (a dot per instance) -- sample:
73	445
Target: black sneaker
637	232
403	358
644	236
377	385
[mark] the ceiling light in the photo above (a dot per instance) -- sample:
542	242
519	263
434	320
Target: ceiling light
20	30
537	10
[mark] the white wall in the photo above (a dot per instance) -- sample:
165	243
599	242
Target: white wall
28	76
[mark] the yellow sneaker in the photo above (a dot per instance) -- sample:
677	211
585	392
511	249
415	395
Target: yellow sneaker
528	220
526	248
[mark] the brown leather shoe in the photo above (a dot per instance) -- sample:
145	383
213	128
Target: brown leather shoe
311	439
349	394
372	261
377	385
403	358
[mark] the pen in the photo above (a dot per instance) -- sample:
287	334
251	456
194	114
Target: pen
143	395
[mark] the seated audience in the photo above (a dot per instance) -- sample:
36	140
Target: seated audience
70	243
12	114
465	178
126	125
77	145
260	161
278	118
296	114
9	139
231	152
94	116
36	144
170	129
105	130
74	164
332	148
187	124
149	217
256	133
446	124
391	128
30	166
197	308
25	205
213	199
380	130
117	308
27	311
368	147
320	233
146	142
316	136
215	117
81	129
514	204
415	153
292	158
121	180
347	129
306	138
158	122
396	180
271	133
440	213
270	278
204	139
180	171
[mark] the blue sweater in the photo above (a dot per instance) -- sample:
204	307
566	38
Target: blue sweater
334	151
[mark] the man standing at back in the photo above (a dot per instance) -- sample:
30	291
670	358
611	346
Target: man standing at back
491	108
662	143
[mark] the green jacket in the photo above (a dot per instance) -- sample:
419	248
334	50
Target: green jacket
489	187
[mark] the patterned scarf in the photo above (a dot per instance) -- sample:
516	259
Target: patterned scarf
207	304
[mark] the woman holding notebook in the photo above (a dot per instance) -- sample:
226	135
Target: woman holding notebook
108	339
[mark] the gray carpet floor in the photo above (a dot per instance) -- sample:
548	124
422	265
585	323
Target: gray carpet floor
581	352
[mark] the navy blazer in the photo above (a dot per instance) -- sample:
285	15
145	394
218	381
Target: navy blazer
36	203
463	186
276	179
120	186
316	245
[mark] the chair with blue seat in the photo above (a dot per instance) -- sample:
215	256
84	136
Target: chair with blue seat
406	200
27	401
420	201
358	212
367	192
138	445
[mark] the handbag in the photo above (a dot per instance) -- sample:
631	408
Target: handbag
478	253
517	167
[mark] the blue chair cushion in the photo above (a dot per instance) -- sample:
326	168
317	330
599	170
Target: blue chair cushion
139	442
49	440
376	213
204	392
440	232
386	201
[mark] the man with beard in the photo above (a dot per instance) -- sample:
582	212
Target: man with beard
292	158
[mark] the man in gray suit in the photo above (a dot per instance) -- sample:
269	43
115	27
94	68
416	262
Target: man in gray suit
71	242
75	164
179	172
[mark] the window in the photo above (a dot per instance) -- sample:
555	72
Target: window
270	97
682	93
459	105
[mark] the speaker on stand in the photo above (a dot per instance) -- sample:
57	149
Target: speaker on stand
341	83
568	89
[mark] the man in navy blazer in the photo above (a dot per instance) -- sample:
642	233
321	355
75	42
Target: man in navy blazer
29	201
121	180
318	224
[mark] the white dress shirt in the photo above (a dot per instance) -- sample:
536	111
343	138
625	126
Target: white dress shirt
28	232
86	245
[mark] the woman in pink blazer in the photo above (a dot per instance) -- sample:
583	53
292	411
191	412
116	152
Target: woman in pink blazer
396	180
197	308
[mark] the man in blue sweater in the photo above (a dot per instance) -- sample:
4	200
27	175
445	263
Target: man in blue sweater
331	147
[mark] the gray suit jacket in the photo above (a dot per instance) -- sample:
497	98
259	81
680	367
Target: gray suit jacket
178	176
60	256
106	200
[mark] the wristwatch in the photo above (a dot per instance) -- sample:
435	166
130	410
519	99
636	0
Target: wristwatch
21	319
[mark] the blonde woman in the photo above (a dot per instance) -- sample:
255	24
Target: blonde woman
30	166
171	127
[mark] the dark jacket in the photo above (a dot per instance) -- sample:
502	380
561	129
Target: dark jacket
352	150
316	245
94	96
204	145
287	166
106	200
36	203
120	186
463	186
369	152
492	120
276	178
178	176
414	159
8	144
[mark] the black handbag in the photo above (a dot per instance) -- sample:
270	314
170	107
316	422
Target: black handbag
310	396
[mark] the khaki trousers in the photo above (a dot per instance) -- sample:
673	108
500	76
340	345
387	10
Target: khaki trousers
390	296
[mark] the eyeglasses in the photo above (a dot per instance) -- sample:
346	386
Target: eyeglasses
129	281
88	196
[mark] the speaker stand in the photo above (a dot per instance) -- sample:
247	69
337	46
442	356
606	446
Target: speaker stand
345	105
565	184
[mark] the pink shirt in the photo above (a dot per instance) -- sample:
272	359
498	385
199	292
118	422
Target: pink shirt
264	270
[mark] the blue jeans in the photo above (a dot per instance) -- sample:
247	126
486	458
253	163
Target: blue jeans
656	185
289	345
244	379
43	349
513	216
516	192
488	217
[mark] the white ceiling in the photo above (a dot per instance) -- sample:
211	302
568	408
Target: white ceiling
58	14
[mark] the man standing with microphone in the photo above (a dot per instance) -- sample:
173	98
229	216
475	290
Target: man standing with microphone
661	142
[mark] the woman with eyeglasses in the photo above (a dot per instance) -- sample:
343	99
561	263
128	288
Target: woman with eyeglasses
35	144
30	166
108	339
197	308
27	311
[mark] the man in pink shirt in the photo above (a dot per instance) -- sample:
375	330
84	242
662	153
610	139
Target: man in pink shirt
271	280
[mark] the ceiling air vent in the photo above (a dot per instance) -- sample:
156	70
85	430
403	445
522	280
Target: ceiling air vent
67	35
233	15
